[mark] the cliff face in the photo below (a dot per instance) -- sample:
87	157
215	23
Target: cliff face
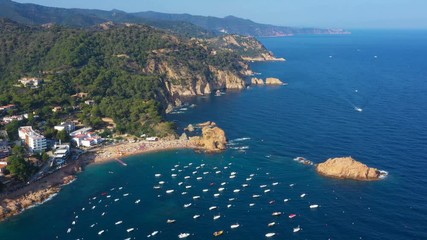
213	138
182	81
273	81
347	168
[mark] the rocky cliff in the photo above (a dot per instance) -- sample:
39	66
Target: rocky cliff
257	81
213	138
347	168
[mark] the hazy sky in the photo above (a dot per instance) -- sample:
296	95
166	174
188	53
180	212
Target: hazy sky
315	13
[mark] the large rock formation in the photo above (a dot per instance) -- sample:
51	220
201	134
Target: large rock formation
347	168
213	138
273	81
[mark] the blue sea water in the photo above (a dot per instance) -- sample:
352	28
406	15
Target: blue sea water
382	72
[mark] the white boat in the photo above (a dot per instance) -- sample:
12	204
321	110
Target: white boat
216	217
221	189
297	229
314	206
303	195
231	199
73	223
205	190
194	172
216	195
196	197
170	221
245	185
119	222
263	186
180	183
162	182
196	216
267	190
157	175
187	205
269	235
170	191
101	232
236	190
205	173
271	224
183	235
217	172
275	183
251	175
187	177
232	176
154	233
229	206
69	230
358	109
199	178
115	200
248	179
276	214
130	229
213	208
233	173
155	187
256	196
292	184
223	183
234	226
184	193
138	201
188	187
286	200
173	175
251	204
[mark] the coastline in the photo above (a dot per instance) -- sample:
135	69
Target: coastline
40	191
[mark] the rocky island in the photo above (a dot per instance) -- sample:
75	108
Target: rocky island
268	81
347	168
213	138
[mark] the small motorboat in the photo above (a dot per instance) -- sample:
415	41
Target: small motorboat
251	204
275	183
267	190
157	175
216	217
119	222
303	195
236	190
232	176
229	206
255	196
170	191
196	216
205	190
269	235
183	235
297	229
170	221
292	215
286	200
101	232
188	187
196	197
221	189
271	224
218	233
263	186
216	195
130	229
162	182
276	214
314	206
245	185
138	201
213	208
187	205
235	226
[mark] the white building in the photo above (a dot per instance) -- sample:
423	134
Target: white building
67	126
33	140
61	153
87	139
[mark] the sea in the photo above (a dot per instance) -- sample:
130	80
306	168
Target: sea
362	95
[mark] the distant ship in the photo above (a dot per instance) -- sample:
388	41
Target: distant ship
358	109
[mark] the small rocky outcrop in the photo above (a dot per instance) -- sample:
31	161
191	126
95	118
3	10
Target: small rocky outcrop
183	137
273	81
257	81
347	168
213	138
189	128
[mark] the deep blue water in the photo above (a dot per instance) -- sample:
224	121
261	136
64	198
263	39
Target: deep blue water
314	117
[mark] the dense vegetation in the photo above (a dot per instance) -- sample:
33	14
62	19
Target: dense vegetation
109	65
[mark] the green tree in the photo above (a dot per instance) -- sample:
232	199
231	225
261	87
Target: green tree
20	168
63	136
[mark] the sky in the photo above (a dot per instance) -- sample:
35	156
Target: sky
350	14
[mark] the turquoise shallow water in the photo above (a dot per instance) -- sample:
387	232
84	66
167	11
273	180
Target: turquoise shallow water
313	117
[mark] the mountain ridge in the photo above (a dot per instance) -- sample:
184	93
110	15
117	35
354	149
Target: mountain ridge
186	24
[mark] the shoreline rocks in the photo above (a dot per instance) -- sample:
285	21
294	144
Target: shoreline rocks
347	168
273	81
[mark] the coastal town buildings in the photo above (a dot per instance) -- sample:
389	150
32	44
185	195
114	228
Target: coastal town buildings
4	149
30	82
34	141
61	152
7	107
85	137
9	119
67	126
